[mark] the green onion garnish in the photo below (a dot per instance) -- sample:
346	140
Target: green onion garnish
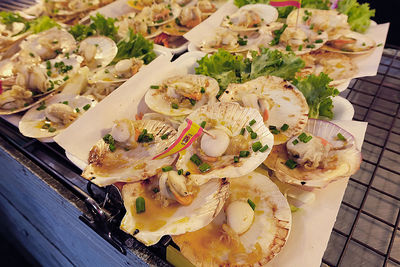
140	205
42	106
65	102
180	172
52	130
295	142
248	128
192	101
256	146
307	139
284	127
166	168
253	135
164	136
291	164
86	107
264	148
252	122
341	137
244	154
196	160
204	167
302	136
242	131
174	106
202	90
203	124
318	41
251	203
235	159
156	190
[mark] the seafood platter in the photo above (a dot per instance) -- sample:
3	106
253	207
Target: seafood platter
271	147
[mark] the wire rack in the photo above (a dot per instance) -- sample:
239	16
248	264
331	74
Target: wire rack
366	232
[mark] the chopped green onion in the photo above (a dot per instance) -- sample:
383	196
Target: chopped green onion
52	130
319	32
86	107
235	159
275	131
204	167
180	172
244	154
251	203
242	131
253	135
252	122
295	142
65	102
248	128
202	90
192	101
156	190
318	41
288	48
302	136
174	106
307	139
42	106
310	46
341	137
77	110
284	127
196	160
145	137
291	164
164	136
264	148
256	146
166	168
300	47
112	147
140	205
203	124
48	73
66	78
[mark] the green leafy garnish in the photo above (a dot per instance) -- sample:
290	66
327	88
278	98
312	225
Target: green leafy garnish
81	32
43	23
135	45
251	203
318	94
166	168
359	16
8	18
104	26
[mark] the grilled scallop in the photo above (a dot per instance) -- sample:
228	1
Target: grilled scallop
239	235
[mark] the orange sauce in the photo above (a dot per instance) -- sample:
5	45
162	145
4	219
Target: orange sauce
155	215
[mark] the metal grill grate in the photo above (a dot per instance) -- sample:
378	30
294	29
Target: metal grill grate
366	232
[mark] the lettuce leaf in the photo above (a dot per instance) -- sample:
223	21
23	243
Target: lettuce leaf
275	63
104	26
227	68
135	45
8	18
43	23
359	16
317	4
318	94
99	26
240	3
81	32
222	66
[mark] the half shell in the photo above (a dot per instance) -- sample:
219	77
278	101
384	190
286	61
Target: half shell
35	123
131	161
300	40
278	100
105	51
180	95
250	17
157	221
343	159
230	118
159	14
214	246
349	42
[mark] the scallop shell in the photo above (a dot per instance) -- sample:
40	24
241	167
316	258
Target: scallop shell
224	35
28	105
339	67
161	99
330	21
363	44
173	121
178	220
106	167
147	14
348	158
106	50
287	104
266	13
231	118
32	122
264	239
312	42
65	42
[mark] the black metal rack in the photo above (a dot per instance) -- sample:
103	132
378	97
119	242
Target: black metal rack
366	232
